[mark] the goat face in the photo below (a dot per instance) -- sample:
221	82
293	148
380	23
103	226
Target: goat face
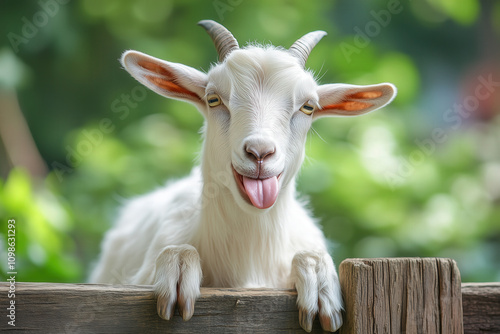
259	122
259	103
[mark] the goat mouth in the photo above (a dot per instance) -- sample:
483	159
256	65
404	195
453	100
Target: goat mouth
261	193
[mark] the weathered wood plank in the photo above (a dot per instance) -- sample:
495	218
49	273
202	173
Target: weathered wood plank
89	308
481	303
401	295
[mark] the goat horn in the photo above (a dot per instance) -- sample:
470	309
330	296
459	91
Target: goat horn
223	39
304	45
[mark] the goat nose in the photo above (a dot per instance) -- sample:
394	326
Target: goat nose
260	152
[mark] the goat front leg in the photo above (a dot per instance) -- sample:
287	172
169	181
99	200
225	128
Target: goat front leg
318	290
177	281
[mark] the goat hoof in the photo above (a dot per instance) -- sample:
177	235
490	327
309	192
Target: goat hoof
330	322
186	308
177	280
165	308
306	320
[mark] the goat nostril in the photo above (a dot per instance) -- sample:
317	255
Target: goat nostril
251	151
260	155
268	153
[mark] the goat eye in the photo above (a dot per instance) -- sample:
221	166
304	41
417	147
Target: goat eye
307	108
214	100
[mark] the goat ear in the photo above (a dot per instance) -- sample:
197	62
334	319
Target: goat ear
352	100
172	80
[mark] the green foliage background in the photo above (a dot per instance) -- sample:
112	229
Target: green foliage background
381	185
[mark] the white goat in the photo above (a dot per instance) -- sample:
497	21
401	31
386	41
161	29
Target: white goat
235	221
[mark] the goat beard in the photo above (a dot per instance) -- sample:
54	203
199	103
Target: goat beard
261	192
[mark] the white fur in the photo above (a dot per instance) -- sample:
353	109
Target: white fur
201	226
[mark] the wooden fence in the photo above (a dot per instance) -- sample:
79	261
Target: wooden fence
409	295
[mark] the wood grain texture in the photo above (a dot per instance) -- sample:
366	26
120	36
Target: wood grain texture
89	308
481	303
401	295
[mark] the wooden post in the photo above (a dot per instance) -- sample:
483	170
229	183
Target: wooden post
401	295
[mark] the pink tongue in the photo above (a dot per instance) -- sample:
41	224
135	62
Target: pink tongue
262	193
